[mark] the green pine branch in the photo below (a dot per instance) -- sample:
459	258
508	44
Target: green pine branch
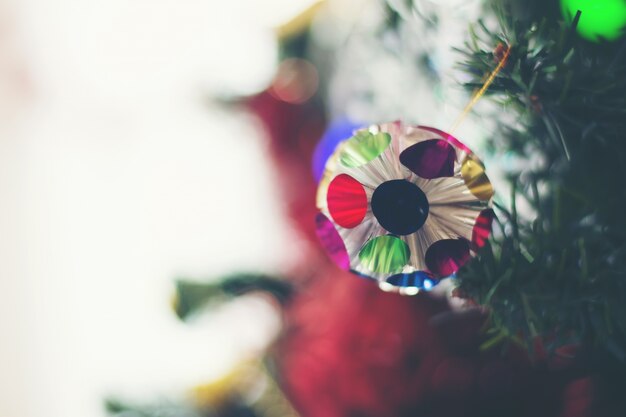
561	275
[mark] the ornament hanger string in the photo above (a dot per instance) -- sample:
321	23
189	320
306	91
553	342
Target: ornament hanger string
481	91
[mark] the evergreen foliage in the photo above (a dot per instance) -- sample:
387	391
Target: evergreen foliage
561	275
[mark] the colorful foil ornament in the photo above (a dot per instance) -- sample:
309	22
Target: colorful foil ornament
404	205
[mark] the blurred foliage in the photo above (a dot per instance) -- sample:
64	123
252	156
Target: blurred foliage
192	296
561	275
119	408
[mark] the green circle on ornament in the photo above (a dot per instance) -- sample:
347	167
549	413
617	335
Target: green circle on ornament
599	19
363	148
385	254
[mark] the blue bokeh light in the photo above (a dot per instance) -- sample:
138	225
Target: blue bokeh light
338	131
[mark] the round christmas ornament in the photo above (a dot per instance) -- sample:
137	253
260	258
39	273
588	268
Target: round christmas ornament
599	19
404	205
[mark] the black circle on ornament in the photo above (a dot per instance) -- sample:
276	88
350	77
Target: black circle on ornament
401	207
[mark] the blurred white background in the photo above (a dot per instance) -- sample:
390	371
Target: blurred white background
115	177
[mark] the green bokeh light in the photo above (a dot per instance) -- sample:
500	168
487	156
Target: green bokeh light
599	18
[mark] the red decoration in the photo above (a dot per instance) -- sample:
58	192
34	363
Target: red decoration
430	159
347	201
445	257
482	229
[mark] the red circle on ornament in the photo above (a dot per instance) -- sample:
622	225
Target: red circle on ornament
482	229
446	256
347	201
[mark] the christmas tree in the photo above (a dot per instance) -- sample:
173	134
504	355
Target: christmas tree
546	83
